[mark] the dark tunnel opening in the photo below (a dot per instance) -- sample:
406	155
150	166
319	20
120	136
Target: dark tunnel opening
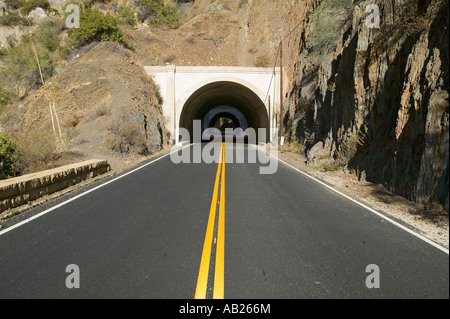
225	100
223	121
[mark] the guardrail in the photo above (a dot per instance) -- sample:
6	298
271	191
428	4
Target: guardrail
20	190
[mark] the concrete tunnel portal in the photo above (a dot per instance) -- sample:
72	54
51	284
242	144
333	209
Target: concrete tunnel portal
239	97
225	100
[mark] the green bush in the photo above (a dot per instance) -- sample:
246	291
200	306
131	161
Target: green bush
157	13
148	8
19	67
326	22
84	4
96	26
48	33
217	6
8	157
6	97
19	70
12	18
30	5
168	15
126	15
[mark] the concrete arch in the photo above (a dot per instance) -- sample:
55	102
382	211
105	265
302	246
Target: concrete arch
225	94
254	92
196	86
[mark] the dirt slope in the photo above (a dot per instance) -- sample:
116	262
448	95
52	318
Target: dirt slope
239	33
106	107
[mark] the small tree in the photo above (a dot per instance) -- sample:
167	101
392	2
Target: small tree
8	157
126	15
30	5
48	33
20	70
157	12
96	26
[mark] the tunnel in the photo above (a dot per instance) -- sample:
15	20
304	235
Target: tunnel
234	102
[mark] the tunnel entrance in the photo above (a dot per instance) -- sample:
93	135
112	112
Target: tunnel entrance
224	122
224	117
224	105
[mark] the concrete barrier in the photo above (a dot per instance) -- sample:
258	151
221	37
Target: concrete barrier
20	190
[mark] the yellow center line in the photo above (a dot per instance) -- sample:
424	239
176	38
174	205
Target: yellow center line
219	273
202	281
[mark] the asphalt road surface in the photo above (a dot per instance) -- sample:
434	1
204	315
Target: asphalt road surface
172	230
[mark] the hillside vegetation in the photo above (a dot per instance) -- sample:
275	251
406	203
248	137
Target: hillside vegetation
70	94
49	125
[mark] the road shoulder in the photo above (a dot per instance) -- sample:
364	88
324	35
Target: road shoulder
431	221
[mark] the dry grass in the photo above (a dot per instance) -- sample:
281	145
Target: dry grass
418	25
126	137
349	146
262	61
170	58
99	111
37	150
294	147
73	120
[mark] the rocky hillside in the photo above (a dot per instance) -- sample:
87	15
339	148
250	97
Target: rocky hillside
375	101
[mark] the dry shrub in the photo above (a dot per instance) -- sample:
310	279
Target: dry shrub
126	136
349	147
418	25
73	120
263	61
325	23
332	86
252	49
170	58
191	40
99	111
37	150
293	147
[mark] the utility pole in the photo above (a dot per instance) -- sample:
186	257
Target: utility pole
281	89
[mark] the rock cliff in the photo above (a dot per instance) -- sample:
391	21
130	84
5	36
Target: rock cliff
377	102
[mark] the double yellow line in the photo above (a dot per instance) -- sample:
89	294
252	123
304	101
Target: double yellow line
219	272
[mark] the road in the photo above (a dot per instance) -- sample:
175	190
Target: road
279	236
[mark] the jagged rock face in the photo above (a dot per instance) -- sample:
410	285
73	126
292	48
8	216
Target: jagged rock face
389	88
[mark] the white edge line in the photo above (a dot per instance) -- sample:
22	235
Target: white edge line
86	192
445	250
